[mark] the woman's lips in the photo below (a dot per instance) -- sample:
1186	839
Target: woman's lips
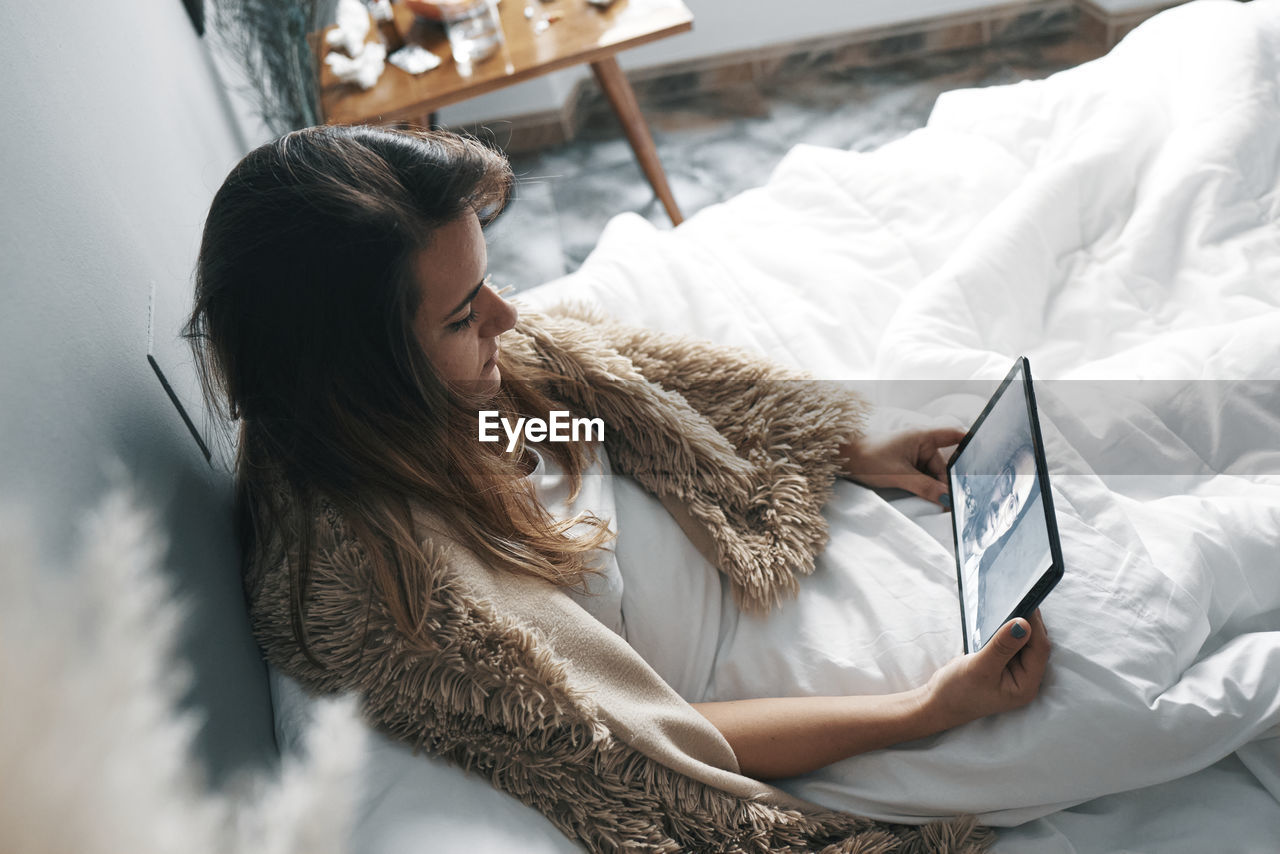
493	360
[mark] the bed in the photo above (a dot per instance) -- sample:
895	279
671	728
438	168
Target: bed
1119	224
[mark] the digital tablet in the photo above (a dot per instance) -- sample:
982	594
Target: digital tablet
1008	556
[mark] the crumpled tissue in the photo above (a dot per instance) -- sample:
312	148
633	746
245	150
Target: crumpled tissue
352	28
414	58
363	70
365	62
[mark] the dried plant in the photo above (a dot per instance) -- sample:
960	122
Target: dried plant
97	757
267	41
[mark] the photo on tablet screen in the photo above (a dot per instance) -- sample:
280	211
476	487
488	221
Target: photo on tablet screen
1002	537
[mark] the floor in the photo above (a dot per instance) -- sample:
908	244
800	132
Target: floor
714	146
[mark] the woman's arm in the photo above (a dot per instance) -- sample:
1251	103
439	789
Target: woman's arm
785	736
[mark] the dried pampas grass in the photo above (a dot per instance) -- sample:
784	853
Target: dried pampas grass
96	756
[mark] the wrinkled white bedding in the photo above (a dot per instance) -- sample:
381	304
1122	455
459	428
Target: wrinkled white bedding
1119	223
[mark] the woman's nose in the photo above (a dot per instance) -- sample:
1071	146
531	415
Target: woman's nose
498	314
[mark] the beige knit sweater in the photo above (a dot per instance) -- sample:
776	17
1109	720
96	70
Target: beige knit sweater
521	685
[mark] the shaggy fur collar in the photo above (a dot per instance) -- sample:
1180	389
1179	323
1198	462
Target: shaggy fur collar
513	680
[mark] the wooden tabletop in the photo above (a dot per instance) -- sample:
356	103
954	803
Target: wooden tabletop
583	33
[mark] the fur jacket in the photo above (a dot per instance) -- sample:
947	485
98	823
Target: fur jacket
521	685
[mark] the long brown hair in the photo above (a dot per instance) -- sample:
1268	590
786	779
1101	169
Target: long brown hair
302	333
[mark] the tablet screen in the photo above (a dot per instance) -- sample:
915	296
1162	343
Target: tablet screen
1002	534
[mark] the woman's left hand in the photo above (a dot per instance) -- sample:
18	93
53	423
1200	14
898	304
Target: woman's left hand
910	460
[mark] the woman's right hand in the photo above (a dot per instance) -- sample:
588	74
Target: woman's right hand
1005	674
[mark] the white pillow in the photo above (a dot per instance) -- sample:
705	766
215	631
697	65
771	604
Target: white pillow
419	804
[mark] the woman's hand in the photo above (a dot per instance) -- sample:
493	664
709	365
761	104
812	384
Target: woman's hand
1005	674
911	460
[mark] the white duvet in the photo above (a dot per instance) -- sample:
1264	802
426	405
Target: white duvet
1119	224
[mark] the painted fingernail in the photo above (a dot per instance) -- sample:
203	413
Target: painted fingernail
1018	631
946	500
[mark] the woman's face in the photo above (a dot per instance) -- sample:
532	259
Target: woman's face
1010	493
459	316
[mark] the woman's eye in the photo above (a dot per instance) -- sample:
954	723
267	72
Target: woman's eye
460	325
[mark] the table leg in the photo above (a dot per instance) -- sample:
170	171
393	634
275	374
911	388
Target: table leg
618	90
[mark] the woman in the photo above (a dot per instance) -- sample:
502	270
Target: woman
994	509
999	530
343	316
995	503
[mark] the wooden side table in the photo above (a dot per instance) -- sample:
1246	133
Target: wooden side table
583	33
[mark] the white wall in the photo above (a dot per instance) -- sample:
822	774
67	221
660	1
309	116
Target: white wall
719	26
117	134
